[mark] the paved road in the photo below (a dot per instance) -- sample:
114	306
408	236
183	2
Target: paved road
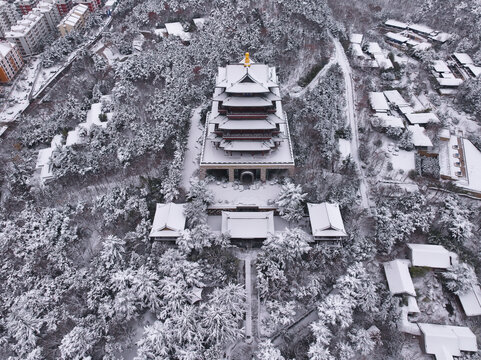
343	62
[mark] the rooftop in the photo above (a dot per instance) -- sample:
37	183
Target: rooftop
169	220
396	24
394	97
420	139
422	118
378	101
471	301
326	220
463	58
398	277
248	225
433	256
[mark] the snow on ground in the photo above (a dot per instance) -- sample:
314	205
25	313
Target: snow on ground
194	146
45	75
257	194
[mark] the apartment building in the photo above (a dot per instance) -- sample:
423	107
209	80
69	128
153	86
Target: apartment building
8	17
25	6
74	20
93	5
10	61
64	6
29	32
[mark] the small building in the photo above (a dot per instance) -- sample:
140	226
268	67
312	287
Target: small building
74	20
441	38
10	61
326	222
387	121
420	140
374	49
356	39
433	256
473	70
462	59
248	225
383	62
169	222
441	67
356	51
422	118
378	102
449	82
176	29
421	29
395	98
445	341
398	277
199	23
396	39
396	25
471	301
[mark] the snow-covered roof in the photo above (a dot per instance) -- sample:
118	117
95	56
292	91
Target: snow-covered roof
450	82
326	220
442	37
374	48
176	29
357	50
422	118
383	61
199	22
446	341
463	58
169	220
247	145
433	256
246	101
475	70
247	125
43	157
398	277
248	225
472	163
423	46
5	48
394	97
422	29
471	301
406	110
356	38
413	307
441	66
397	37
420	139
378	102
396	24
390	121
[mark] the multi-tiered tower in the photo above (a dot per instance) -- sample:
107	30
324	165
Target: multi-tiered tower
247	135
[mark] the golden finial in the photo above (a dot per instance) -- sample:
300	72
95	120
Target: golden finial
247	60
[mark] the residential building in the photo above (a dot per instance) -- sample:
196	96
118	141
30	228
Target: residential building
396	25
432	256
10	61
446	341
74	20
462	59
8	17
93	5
398	277
25	6
471	301
420	140
378	102
176	29
422	118
29	32
326	222
247	133
63	6
169	222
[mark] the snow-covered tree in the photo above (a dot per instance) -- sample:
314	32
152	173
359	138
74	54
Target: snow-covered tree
460	278
290	202
455	217
267	351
